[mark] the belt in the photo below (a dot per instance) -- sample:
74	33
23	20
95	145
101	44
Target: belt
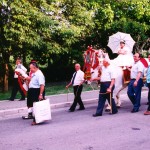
133	79
77	85
106	82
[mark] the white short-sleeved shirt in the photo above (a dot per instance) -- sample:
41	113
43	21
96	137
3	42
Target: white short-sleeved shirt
20	66
148	75
78	78
107	74
136	68
37	79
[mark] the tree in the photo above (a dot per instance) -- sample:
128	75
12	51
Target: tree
47	30
41	29
125	16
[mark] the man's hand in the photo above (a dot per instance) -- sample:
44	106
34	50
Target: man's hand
28	78
91	80
109	90
135	83
40	97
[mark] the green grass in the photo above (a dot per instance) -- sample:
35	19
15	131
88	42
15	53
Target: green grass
51	89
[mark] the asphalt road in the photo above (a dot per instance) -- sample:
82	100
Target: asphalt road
79	130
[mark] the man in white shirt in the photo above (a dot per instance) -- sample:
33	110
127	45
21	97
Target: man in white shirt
17	86
136	83
36	89
107	80
77	81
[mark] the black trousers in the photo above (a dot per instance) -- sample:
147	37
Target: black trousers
15	89
33	96
77	97
102	99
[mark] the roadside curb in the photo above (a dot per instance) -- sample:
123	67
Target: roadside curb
21	110
4	113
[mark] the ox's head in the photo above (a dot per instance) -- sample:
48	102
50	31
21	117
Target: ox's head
100	56
93	62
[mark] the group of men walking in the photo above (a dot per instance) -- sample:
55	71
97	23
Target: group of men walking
107	80
36	84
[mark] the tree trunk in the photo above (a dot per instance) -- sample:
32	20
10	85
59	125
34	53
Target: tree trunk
5	72
5	81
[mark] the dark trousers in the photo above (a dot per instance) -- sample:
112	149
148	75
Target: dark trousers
103	97
148	85
77	97
33	96
134	93
15	89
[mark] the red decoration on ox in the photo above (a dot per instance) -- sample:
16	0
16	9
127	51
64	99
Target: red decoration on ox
144	62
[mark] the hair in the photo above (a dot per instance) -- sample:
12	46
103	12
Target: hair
34	64
33	61
140	55
122	41
77	64
19	59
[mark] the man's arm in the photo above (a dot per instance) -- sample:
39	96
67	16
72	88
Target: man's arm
82	79
137	78
68	85
95	79
111	85
41	91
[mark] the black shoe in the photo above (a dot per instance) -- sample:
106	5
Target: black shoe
81	109
70	110
10	99
134	111
28	117
96	115
22	99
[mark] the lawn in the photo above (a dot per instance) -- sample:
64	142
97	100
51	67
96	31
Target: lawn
52	89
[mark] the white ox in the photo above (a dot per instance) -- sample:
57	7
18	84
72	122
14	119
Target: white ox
119	82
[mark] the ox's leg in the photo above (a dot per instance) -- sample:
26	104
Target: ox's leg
118	101
108	107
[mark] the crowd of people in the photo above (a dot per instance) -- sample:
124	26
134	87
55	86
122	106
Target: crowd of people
36	85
